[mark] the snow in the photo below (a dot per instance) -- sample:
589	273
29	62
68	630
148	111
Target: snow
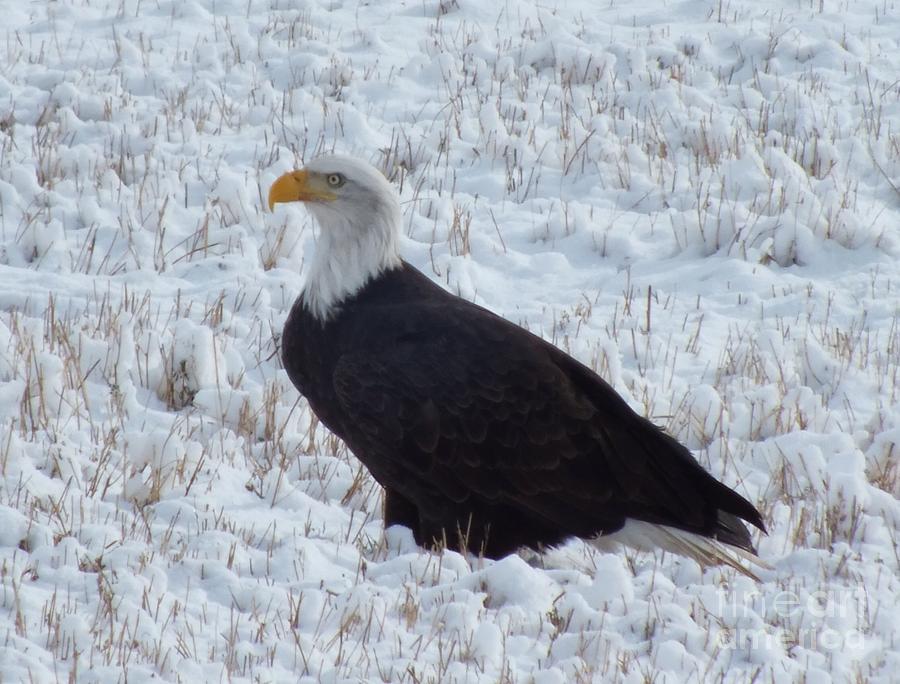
700	200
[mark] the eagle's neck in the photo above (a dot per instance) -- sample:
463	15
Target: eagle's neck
347	257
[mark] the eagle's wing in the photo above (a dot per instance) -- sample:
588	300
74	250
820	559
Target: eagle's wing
452	403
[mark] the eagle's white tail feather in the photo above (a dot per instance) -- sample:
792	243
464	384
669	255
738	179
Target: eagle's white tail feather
646	536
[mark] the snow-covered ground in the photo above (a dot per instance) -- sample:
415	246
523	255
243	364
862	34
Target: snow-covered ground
699	199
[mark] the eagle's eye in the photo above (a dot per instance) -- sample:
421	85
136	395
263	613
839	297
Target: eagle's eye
335	180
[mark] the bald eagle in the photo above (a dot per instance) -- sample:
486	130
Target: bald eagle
484	436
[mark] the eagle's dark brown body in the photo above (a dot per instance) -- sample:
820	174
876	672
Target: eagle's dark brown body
480	431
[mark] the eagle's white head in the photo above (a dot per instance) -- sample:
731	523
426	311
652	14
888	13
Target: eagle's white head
358	213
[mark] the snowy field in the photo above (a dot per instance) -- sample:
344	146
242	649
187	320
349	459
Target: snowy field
701	200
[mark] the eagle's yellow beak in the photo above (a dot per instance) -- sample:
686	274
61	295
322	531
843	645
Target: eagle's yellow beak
299	186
